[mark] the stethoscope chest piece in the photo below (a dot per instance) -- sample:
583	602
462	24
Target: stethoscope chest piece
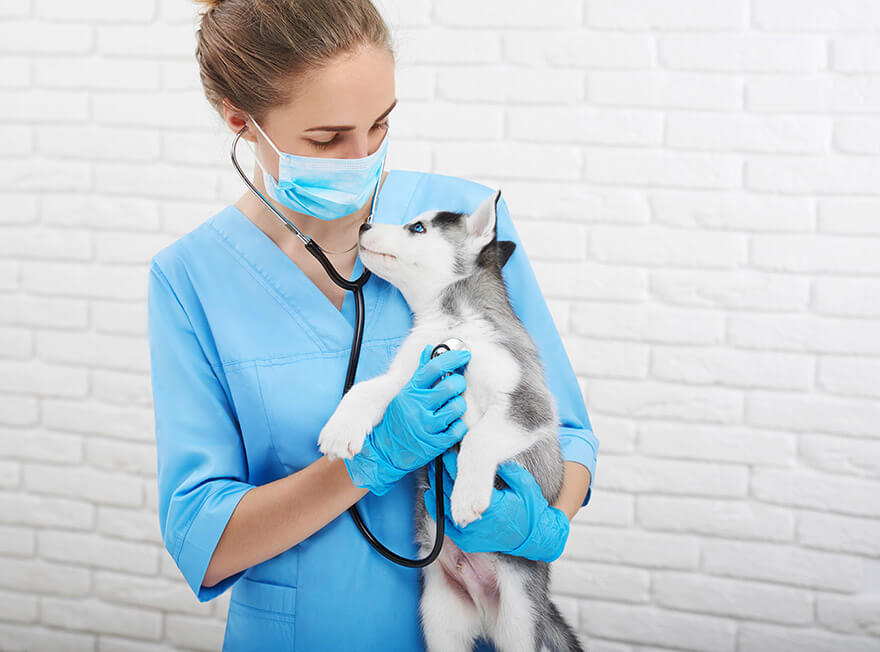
451	344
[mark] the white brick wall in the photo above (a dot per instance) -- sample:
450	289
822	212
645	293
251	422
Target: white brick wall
697	184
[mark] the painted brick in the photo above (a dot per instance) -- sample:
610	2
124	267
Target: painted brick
695	185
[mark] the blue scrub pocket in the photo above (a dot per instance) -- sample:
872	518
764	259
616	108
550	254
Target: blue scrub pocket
261	617
300	396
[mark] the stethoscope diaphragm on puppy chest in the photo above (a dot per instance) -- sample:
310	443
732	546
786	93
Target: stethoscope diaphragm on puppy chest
450	344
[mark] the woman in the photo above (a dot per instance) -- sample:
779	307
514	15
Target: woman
250	339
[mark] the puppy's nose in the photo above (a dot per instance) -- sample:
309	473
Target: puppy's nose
365	227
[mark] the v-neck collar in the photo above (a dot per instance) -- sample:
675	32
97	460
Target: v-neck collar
330	328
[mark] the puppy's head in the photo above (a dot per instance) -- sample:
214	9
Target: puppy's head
435	249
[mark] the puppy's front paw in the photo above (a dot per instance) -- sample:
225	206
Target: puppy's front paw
341	437
468	503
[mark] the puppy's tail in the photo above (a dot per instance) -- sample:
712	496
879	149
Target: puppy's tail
558	636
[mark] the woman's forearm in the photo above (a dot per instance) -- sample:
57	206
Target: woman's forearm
273	517
575	484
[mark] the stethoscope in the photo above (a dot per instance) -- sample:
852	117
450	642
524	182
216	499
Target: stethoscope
357	287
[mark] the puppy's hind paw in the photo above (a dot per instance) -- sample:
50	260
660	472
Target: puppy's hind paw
466	507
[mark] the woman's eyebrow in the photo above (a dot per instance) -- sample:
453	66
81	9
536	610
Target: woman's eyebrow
350	127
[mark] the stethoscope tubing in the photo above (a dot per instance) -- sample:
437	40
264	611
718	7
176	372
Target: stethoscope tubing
357	286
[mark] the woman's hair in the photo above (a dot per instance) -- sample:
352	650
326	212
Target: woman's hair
254	51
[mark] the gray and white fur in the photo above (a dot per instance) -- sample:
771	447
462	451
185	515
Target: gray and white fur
449	271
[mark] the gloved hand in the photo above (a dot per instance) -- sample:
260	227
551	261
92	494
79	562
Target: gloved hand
420	422
519	521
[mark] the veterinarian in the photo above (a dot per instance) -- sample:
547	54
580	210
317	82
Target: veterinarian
250	339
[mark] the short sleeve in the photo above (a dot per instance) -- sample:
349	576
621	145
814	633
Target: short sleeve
576	437
200	456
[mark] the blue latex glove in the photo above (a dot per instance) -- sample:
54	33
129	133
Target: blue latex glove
518	521
420	423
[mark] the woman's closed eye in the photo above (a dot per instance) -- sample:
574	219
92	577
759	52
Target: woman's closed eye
325	144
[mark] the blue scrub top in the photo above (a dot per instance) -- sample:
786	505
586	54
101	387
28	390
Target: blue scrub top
248	360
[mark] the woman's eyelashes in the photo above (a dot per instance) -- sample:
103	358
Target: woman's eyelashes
327	143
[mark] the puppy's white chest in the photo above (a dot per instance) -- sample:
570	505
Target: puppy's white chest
491	375
492	372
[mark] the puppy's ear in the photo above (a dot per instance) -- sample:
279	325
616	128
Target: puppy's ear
505	251
481	223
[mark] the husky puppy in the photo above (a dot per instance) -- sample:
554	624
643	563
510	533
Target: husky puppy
447	266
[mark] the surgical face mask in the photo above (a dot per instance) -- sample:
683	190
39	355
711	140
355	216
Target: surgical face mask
326	188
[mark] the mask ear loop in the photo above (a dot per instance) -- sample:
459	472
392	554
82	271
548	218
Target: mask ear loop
378	183
260	129
271	144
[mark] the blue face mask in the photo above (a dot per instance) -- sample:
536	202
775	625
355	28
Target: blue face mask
326	188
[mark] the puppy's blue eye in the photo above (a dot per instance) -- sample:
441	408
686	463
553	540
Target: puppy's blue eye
417	227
